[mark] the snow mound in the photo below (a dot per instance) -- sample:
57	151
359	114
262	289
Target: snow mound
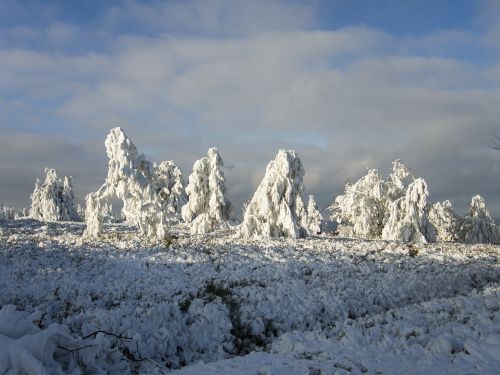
272	212
53	200
207	208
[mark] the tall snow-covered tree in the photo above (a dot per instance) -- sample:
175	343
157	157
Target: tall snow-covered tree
407	218
478	226
207	207
361	209
314	217
445	221
272	212
53	200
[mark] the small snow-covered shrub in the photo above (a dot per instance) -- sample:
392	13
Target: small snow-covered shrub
478	226
53	200
207	207
272	212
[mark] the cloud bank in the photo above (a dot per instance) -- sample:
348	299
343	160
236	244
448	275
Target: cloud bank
249	78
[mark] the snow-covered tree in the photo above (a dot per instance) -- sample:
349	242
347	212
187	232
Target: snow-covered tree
93	215
207	207
272	212
314	217
361	209
445	221
407	219
53	200
131	178
81	212
7	213
398	181
170	188
301	212
478	226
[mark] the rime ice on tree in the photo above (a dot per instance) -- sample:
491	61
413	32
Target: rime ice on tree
7	213
314	217
407	219
360	210
272	212
478	226
170	187
445	221
134	180
53	200
399	180
207	207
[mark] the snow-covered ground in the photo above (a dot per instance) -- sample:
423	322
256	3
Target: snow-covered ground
218	304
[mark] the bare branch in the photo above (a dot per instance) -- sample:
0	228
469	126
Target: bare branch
74	350
106	333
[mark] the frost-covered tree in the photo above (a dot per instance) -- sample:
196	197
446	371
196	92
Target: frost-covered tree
68	210
398	181
81	212
93	215
53	200
131	178
360	210
7	213
207	207
445	221
170	188
407	219
301	212
272	212
478	226
314	217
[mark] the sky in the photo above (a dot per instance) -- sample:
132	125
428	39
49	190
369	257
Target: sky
347	84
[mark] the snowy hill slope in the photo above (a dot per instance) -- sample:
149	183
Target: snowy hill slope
221	304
